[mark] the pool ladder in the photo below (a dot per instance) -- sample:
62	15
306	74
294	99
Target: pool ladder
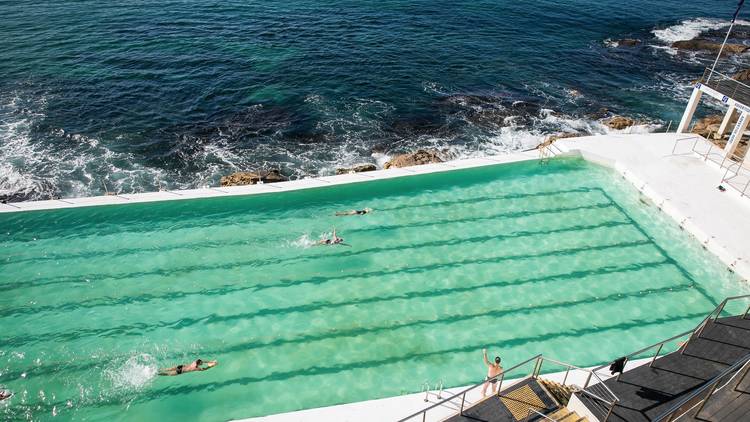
427	391
547	150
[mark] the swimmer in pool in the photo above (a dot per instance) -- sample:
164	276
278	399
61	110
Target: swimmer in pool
493	370
190	367
354	212
335	240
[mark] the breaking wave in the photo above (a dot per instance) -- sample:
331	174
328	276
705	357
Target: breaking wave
41	161
690	29
59	163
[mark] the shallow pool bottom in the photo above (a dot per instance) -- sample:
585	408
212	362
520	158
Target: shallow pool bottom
560	258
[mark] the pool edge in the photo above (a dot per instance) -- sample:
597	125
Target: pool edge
268	188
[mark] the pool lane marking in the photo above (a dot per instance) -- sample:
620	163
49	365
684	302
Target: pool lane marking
229	290
210	319
335	369
480	199
46	281
232	217
666	254
492	217
192	246
55	368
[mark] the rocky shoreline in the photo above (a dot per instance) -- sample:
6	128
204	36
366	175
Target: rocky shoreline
420	156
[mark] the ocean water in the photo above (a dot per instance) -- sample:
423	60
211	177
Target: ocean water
140	95
563	259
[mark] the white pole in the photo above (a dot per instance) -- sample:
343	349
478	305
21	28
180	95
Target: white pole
731	25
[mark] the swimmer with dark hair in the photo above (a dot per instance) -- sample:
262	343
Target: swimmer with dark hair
5	394
190	367
354	212
334	240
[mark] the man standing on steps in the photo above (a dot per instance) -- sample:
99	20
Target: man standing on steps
493	370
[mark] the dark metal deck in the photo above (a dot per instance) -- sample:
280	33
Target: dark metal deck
493	409
646	392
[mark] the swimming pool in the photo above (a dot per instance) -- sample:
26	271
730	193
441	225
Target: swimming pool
561	258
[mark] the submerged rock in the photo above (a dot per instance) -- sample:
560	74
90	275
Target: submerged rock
627	42
600	114
619	122
487	111
700	44
242	178
739	32
359	168
416	158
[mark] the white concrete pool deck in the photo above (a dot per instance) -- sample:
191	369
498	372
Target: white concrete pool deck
682	185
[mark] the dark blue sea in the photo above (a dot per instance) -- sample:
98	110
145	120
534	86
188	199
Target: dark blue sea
131	96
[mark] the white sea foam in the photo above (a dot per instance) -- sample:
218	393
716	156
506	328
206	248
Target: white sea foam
691	28
36	169
303	242
133	375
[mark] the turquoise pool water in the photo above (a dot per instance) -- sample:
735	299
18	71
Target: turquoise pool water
562	259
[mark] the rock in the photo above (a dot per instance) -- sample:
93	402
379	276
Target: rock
627	42
600	114
739	32
273	176
492	112
414	159
707	125
707	45
619	122
359	168
742	75
242	178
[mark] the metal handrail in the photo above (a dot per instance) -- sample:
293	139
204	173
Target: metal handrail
661	343
535	372
463	392
693	136
713	382
698	329
726	85
528	415
708	71
592	373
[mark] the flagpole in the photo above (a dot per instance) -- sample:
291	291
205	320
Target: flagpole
720	50
731	25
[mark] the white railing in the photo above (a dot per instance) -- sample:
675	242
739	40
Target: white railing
594	388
